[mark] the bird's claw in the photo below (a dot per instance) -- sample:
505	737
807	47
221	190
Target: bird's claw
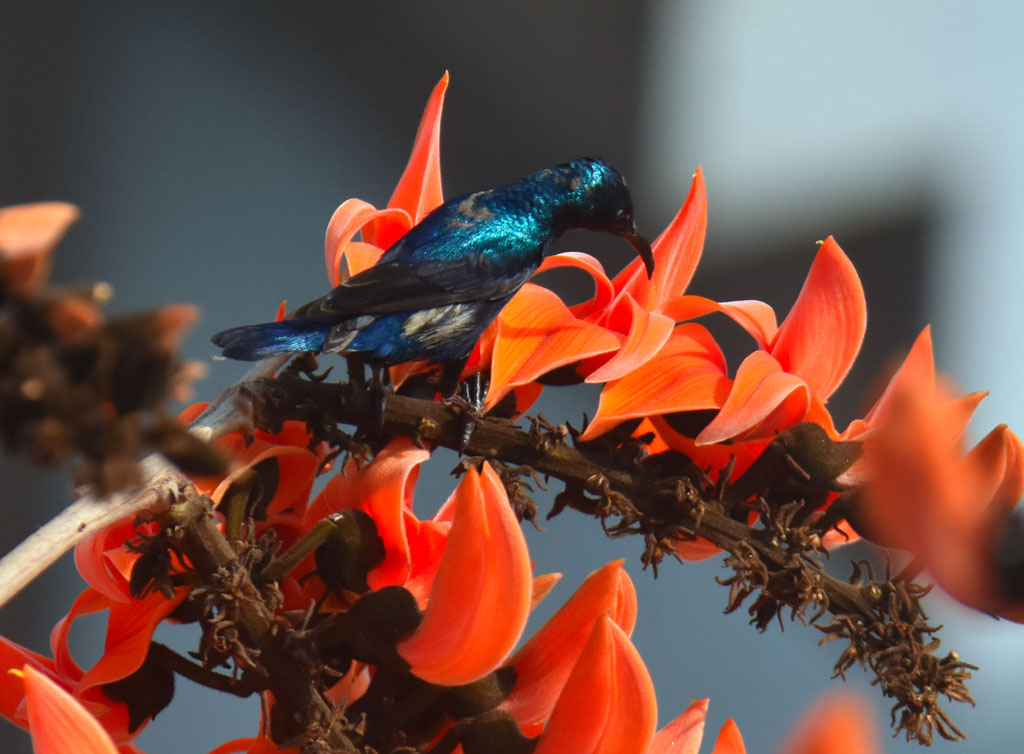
468	400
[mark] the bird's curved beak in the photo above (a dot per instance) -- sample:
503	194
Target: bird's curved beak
643	248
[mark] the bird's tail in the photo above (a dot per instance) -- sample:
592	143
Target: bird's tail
254	342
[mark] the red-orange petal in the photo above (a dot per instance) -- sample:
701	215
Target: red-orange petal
917	372
484	572
608	704
603	290
130	627
348	219
104	563
837	724
684	734
756	317
59	724
676	253
544	662
296	473
763	400
419	189
729	740
12	691
89	601
538	333
687	374
384	490
648	332
823	332
1000	458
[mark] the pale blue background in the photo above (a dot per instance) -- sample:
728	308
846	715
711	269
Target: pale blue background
208	144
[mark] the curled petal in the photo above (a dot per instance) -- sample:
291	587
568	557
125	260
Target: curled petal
484	572
536	334
419	189
130	627
687	374
608	704
348	219
384	490
88	602
676	253
603	290
59	724
837	724
544	662
756	317
104	562
763	400
648	332
823	332
684	734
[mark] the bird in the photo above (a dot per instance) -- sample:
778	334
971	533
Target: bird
434	290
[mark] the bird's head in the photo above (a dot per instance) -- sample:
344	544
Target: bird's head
597	199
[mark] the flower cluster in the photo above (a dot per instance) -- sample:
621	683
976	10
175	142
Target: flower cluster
577	684
368	628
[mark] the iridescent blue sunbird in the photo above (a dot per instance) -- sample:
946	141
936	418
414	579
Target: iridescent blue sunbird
433	292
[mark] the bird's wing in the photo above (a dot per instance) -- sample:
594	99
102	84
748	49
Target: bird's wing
397	287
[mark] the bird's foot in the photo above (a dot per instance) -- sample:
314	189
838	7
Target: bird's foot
469	401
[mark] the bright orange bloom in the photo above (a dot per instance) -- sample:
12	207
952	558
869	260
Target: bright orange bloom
802	363
130	627
545	661
924	494
608	704
384	490
836	724
788	380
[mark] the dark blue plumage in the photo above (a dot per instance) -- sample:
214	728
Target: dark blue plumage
435	290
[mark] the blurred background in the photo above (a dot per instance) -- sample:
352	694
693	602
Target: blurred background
208	143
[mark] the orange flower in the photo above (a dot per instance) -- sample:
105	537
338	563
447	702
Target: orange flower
787	380
130	627
924	494
608	703
836	724
545	661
